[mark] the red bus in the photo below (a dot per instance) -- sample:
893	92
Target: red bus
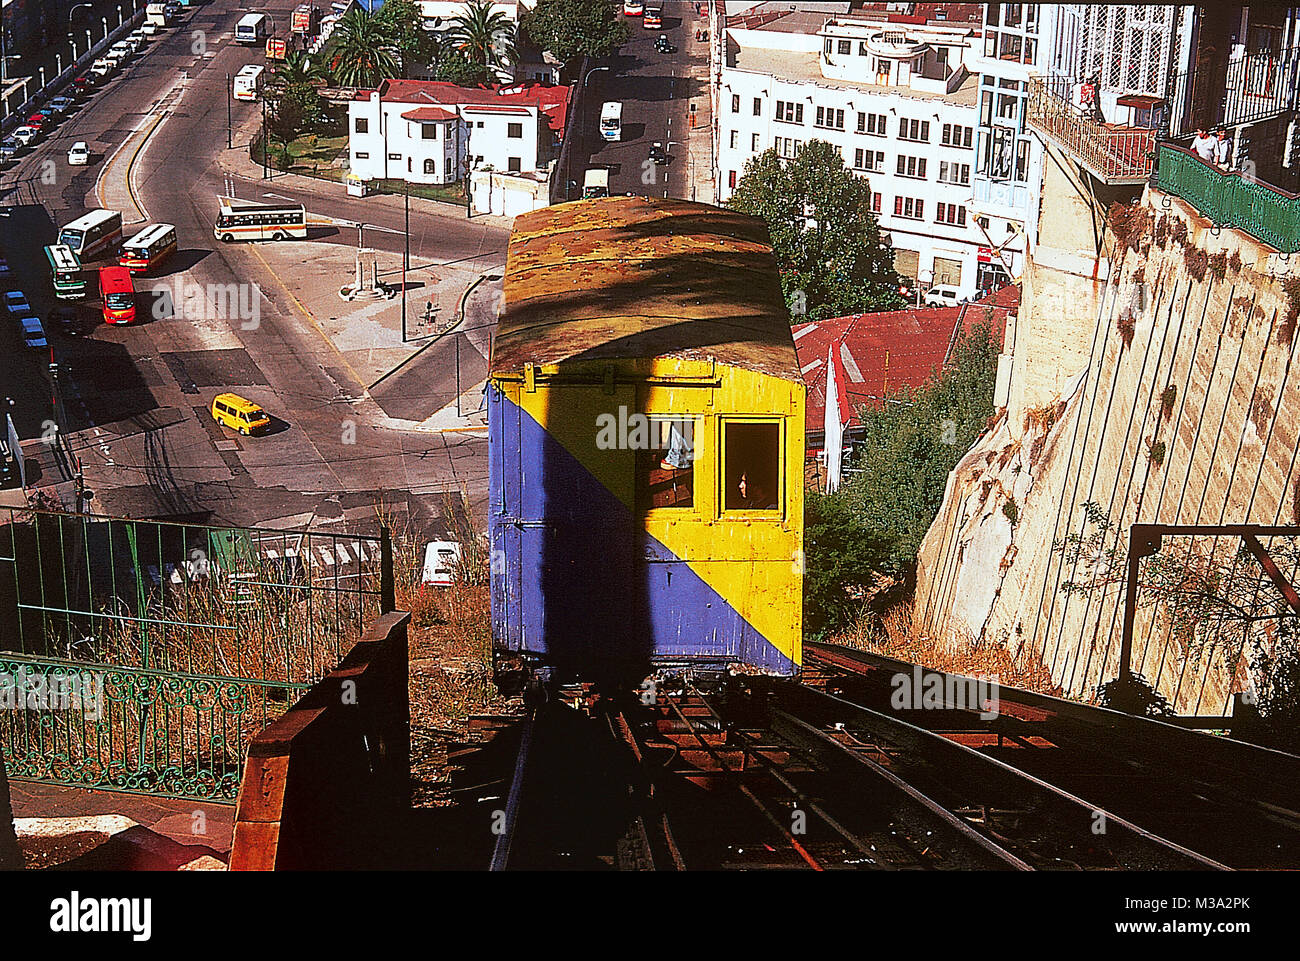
118	293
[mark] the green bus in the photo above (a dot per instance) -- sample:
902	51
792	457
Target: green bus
65	270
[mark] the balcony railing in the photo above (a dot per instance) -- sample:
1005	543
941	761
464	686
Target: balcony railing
1250	89
1114	155
1228	199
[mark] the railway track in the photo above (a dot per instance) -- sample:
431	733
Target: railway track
760	773
1234	803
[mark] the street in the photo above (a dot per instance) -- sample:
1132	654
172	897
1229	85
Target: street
134	399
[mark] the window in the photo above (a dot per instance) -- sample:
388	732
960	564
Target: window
751	468
862	48
954	173
1008	106
955	135
873	160
845	47
789	112
363	125
954	214
428	131
871	123
731	179
515	130
875	203
514	164
363	155
408	164
430	167
910	208
913	167
829	46
479	125
787	148
735	103
394	156
830	117
735	138
666	470
753	143
917	130
1022	160
758	106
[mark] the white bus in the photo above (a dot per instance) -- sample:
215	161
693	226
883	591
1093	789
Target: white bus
246	220
251	28
611	120
149	248
248	82
92	234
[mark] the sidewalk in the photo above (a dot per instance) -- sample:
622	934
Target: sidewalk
700	140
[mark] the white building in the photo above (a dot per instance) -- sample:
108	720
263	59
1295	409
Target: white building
429	132
900	100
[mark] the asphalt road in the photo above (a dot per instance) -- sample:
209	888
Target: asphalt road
656	91
135	397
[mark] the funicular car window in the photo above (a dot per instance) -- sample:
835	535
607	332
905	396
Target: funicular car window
751	466
666	465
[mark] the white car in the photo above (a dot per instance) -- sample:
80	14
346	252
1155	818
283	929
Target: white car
33	332
79	154
25	135
943	295
137	38
103	66
149	28
121	50
16	303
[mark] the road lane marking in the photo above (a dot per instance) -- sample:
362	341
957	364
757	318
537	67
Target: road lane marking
162	108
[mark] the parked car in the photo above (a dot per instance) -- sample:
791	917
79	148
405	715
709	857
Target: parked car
103	66
84	84
138	37
33	333
122	50
62	104
79	154
25	135
172	8
37	120
16	303
150	29
943	295
8	147
4	269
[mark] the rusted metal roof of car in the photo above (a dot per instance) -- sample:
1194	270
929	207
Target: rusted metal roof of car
632	277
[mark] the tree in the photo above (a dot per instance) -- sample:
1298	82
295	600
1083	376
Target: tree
365	53
484	35
569	29
401	20
910	444
298	70
453	66
825	237
841	556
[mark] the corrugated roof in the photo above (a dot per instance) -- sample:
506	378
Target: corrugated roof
630	277
879	353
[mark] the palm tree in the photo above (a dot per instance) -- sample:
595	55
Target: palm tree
483	35
364	54
299	68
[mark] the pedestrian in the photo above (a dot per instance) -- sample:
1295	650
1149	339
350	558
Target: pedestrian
1203	145
1222	148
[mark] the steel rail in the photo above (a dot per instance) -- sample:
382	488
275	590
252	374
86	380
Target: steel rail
501	849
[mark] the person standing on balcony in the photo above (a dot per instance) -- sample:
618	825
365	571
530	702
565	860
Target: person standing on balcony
1222	148
1203	145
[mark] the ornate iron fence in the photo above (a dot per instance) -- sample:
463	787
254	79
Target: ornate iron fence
1253	88
1230	199
144	655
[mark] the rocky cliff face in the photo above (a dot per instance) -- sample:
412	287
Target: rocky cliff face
1163	393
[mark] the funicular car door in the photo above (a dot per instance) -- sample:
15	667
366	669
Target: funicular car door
566	523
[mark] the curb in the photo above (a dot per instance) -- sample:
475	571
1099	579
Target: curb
460	319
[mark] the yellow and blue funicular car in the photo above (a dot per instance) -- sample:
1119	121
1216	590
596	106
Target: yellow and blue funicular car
646	421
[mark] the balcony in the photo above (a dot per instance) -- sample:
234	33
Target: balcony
1228	199
1112	154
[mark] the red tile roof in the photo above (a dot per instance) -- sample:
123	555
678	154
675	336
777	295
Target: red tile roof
880	353
429	113
553	101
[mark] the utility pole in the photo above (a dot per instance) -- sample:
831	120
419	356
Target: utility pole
230	131
265	143
406	254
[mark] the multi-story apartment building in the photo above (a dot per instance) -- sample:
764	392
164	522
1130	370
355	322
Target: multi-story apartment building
895	93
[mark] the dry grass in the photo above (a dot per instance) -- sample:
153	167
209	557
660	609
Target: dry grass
895	635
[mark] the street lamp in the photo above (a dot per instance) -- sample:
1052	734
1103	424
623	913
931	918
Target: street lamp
590	72
104	21
119	15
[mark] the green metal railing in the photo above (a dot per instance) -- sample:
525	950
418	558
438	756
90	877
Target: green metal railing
144	655
1229	199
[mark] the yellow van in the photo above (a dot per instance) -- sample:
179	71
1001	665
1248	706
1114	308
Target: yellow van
240	413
